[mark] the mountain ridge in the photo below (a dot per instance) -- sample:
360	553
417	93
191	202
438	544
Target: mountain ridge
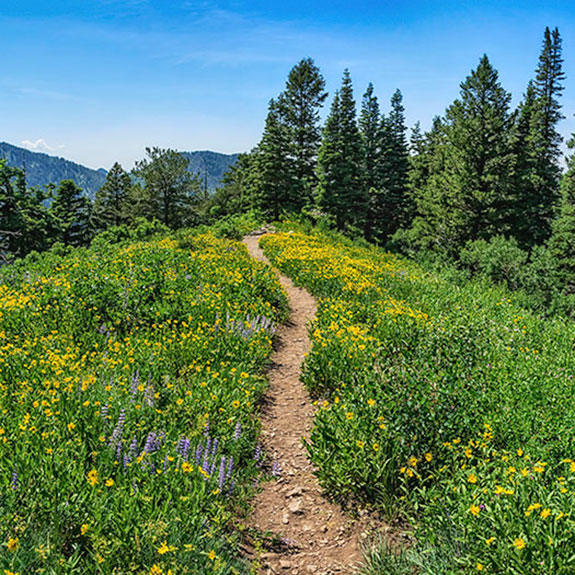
43	169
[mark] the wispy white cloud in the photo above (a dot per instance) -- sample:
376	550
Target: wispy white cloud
40	145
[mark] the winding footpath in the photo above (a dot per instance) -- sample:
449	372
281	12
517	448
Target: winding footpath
311	535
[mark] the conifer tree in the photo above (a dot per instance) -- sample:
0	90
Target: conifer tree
469	179
369	124
72	211
300	105
277	189
390	201
538	147
562	242
112	206
341	188
170	191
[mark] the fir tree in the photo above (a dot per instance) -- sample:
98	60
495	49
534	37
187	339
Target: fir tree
277	190
342	192
369	124
562	242
72	211
390	202
470	171
538	147
300	104
112	205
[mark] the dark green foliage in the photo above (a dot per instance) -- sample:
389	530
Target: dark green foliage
389	200
369	125
72	212
341	189
277	187
562	243
112	206
300	103
469	179
500	260
538	147
25	222
169	193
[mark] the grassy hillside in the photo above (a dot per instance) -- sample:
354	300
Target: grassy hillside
129	379
449	405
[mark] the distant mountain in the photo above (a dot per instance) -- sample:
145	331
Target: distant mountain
42	169
210	166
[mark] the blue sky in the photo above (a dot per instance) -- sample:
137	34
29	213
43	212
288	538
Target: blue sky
96	81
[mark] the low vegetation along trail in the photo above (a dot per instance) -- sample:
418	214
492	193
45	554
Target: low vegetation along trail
311	534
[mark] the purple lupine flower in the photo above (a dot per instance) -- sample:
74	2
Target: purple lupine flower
207	429
127	459
186	450
230	469
133	447
276	472
149	396
15	482
214	447
134	386
258	453
134	487
222	475
150	445
213	467
119	451
206	460
104	411
238	430
119	429
199	449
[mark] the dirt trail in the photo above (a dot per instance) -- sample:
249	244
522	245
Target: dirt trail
316	537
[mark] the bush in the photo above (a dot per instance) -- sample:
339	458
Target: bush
500	259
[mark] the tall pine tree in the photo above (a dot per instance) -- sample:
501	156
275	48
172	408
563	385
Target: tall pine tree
562	242
170	192
469	181
277	189
72	211
300	104
369	125
389	199
341	189
538	147
112	206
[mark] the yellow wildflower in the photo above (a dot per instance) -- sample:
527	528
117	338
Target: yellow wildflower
519	543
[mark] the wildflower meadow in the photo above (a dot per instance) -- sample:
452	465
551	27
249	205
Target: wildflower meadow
446	405
129	381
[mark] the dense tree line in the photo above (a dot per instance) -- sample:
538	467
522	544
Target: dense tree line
483	188
33	219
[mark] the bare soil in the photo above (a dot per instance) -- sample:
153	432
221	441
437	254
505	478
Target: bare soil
306	533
